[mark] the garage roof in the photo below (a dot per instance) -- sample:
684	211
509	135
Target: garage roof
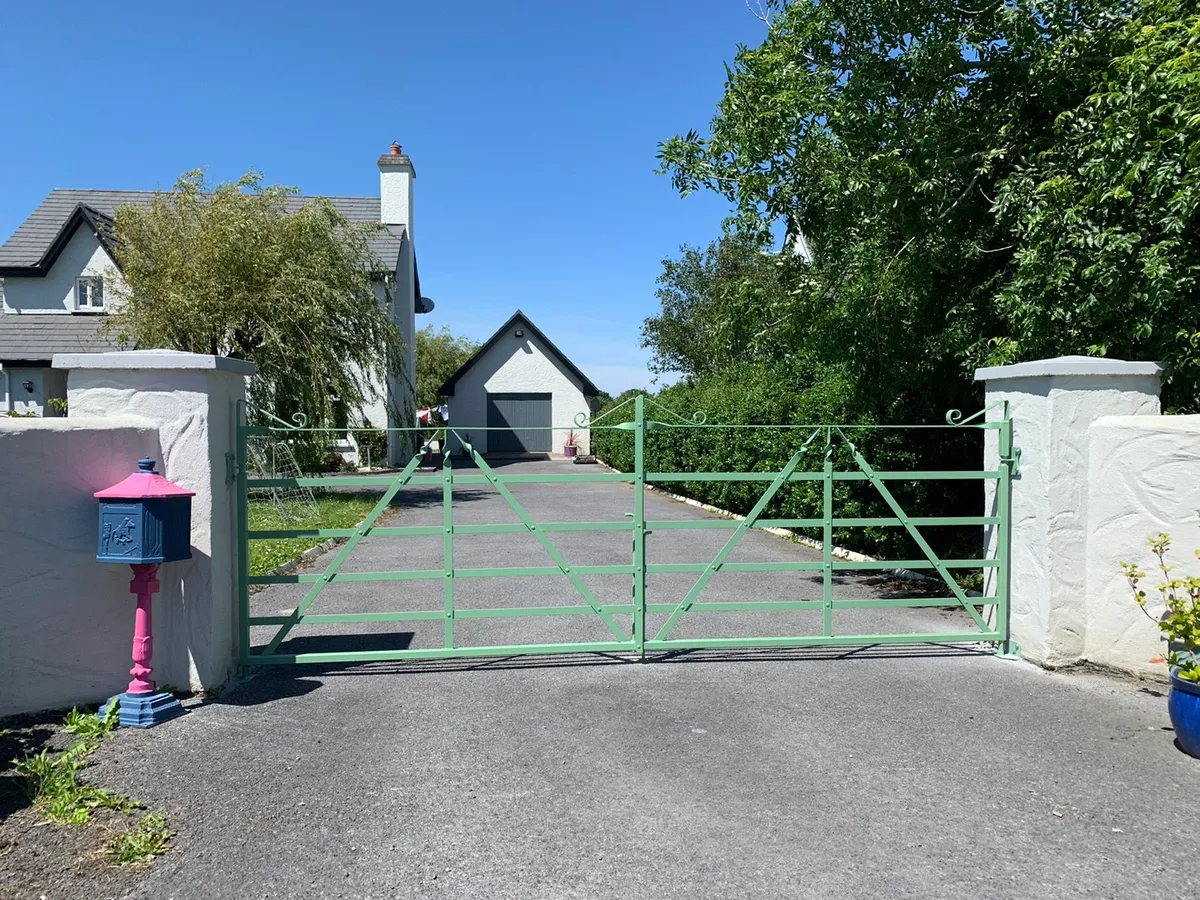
520	320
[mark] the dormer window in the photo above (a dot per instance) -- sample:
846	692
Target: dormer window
89	293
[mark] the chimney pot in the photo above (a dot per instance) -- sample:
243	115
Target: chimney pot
395	151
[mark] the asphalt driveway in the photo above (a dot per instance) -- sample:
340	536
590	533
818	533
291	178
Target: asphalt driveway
904	772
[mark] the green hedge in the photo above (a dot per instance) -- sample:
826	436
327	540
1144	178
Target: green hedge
761	397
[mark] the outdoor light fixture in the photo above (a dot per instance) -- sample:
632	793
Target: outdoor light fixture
28	385
519	333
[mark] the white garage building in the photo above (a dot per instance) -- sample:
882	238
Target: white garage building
519	382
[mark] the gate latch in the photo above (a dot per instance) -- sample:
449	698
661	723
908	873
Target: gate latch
1013	462
232	468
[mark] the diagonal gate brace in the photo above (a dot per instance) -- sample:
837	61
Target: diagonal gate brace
916	535
547	544
328	575
734	539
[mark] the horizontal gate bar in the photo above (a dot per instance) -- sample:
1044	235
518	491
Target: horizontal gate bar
509	612
433	574
418	530
784	605
818	640
619	609
350	618
952	475
313	578
544	526
506	612
688	524
431	481
328	481
817	566
440	653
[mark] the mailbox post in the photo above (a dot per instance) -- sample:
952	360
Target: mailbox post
145	521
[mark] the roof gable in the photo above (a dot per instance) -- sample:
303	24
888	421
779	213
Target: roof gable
519	319
81	215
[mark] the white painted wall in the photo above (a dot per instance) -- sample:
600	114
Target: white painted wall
192	400
1143	478
1053	404
55	292
67	619
518	365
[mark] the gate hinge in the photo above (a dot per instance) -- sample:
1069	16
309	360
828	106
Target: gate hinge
232	468
1013	462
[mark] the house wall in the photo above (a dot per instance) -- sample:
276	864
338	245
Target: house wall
55	293
517	365
47	383
402	389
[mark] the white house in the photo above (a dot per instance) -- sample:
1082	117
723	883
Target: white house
57	270
522	384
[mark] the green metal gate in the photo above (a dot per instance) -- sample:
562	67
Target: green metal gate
989	614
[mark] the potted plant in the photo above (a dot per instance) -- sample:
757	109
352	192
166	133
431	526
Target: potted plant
571	447
1180	623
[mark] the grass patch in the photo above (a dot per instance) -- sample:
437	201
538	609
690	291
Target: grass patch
52	779
149	839
341	510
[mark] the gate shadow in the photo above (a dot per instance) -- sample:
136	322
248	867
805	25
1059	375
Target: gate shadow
268	683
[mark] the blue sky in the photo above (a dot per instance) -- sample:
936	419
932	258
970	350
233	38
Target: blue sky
533	128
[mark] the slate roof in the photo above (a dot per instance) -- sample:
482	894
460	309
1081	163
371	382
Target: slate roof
519	319
37	337
36	235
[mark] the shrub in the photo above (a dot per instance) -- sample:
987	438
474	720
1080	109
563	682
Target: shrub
372	444
760	396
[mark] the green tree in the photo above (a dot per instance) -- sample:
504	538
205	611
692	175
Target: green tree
718	307
439	355
883	131
230	271
1107	218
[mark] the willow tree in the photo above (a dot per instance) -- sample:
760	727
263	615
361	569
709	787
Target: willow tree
234	270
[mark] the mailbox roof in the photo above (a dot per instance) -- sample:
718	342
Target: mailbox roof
143	486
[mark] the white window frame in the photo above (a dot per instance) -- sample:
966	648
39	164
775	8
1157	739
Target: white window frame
86	290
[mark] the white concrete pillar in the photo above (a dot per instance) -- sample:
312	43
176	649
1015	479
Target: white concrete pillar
192	400
1052	402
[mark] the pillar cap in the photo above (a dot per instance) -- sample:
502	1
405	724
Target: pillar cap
152	359
1070	365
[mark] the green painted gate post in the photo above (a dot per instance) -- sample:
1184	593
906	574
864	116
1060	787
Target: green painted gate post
1006	647
639	526
827	535
448	547
243	536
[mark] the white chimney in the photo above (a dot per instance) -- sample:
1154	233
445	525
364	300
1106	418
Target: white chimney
396	175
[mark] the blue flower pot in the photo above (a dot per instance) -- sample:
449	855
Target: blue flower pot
1184	706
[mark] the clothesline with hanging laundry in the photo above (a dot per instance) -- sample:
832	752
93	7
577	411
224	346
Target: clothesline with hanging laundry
425	413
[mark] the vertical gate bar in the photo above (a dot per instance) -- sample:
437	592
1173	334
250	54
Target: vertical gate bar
448	546
639	526
243	537
1003	545
827	536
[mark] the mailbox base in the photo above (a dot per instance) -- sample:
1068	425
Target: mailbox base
147	710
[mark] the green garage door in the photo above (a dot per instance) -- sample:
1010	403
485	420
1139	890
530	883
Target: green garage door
527	416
